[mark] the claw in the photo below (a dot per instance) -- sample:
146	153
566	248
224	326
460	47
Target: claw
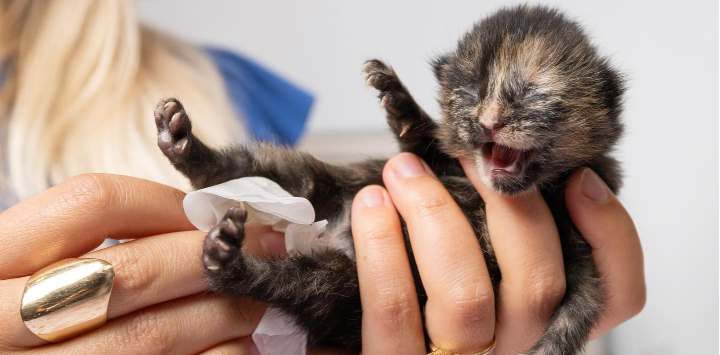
179	147
210	264
174	124
405	129
222	245
365	67
231	225
383	102
369	81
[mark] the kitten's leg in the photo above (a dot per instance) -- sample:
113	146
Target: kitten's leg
204	166
320	291
200	163
415	130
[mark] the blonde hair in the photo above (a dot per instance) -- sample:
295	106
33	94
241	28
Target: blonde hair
83	78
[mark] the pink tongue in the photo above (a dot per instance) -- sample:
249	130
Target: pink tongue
503	157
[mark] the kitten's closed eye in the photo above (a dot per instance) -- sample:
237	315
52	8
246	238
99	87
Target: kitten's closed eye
468	92
529	92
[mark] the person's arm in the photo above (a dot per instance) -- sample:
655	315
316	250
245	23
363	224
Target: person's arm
527	248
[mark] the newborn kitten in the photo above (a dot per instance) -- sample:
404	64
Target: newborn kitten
524	95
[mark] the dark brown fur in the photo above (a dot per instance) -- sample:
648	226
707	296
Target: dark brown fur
529	68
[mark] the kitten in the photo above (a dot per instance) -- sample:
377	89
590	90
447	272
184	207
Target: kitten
524	95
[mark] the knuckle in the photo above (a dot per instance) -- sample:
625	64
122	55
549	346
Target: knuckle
379	233
88	192
543	295
471	305
395	308
151	334
133	270
429	204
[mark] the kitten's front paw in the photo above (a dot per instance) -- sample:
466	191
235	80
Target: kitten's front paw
403	112
224	241
174	129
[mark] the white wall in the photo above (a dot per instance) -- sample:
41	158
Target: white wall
669	50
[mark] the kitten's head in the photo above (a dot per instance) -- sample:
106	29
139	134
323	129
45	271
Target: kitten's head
526	96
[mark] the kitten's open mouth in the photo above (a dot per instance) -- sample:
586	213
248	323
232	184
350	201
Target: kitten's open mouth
502	160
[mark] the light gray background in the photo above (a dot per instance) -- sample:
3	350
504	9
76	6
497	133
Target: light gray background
670	152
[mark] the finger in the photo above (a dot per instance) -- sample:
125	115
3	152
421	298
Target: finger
528	251
263	241
618	256
240	346
460	312
185	326
147	271
391	321
74	217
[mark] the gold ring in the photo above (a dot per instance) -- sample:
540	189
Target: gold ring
435	351
67	298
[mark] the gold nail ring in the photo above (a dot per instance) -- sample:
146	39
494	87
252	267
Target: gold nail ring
67	298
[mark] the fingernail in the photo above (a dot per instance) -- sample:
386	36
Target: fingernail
372	196
593	187
273	243
408	165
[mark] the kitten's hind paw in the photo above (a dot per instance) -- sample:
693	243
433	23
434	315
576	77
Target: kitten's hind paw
174	129
403	113
224	241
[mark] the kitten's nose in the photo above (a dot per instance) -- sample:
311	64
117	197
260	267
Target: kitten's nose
490	132
491	119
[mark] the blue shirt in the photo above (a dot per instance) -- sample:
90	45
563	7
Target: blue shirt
274	109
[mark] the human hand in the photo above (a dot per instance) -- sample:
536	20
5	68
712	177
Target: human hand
158	303
462	313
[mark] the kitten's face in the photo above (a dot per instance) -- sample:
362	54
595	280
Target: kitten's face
527	110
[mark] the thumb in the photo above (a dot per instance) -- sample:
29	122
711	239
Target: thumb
618	256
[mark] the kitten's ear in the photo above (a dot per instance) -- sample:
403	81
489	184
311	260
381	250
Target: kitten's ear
440	66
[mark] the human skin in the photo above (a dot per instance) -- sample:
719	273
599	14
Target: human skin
159	302
462	313
155	311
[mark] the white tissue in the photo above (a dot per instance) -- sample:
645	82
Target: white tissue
277	334
266	203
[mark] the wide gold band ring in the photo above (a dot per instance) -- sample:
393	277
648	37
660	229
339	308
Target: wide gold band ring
67	298
435	351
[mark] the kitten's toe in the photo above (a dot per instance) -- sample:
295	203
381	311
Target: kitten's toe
380	76
224	241
173	126
392	101
402	111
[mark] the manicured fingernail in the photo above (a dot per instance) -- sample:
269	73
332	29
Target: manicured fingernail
409	165
273	243
372	196
593	187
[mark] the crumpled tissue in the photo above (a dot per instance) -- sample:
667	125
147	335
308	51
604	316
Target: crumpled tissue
268	204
